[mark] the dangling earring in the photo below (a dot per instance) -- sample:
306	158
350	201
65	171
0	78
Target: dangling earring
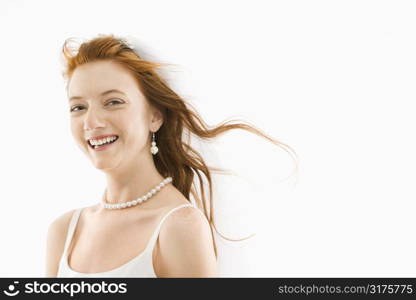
153	148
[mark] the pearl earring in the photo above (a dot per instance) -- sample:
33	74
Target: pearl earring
153	148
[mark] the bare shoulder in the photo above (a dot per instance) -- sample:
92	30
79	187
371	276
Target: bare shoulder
55	241
187	224
186	245
184	215
59	226
61	220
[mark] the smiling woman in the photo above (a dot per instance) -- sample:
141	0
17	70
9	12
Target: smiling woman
130	125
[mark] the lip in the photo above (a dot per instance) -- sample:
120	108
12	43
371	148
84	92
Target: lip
102	148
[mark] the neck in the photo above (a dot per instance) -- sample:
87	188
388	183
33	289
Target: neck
131	183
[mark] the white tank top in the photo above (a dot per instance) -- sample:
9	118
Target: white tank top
139	266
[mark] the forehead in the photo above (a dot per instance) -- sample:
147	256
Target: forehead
92	78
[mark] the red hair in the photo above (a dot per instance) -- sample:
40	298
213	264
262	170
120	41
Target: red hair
176	158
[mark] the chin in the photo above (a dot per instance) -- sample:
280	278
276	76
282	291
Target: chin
105	165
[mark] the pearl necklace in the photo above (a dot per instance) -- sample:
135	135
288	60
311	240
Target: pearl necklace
138	200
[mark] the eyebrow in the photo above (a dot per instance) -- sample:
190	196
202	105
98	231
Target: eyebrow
102	94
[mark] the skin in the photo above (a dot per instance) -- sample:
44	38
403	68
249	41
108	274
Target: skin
128	164
185	246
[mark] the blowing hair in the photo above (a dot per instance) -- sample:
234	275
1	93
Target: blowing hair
176	157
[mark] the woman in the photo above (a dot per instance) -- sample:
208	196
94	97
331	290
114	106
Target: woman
130	124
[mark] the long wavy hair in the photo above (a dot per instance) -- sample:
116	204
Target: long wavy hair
176	157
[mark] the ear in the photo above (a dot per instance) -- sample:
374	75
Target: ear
156	119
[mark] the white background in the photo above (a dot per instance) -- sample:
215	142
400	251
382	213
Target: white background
333	79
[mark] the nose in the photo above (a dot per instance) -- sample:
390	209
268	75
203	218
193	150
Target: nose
92	120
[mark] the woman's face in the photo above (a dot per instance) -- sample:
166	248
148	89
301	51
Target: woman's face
94	112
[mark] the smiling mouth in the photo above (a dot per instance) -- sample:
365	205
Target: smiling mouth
94	147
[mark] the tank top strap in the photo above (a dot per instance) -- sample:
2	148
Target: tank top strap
71	227
153	238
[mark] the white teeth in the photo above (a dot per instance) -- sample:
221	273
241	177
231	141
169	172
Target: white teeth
102	141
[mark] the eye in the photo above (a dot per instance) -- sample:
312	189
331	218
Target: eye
73	108
116	101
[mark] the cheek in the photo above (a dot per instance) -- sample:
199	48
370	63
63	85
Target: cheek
135	132
76	130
